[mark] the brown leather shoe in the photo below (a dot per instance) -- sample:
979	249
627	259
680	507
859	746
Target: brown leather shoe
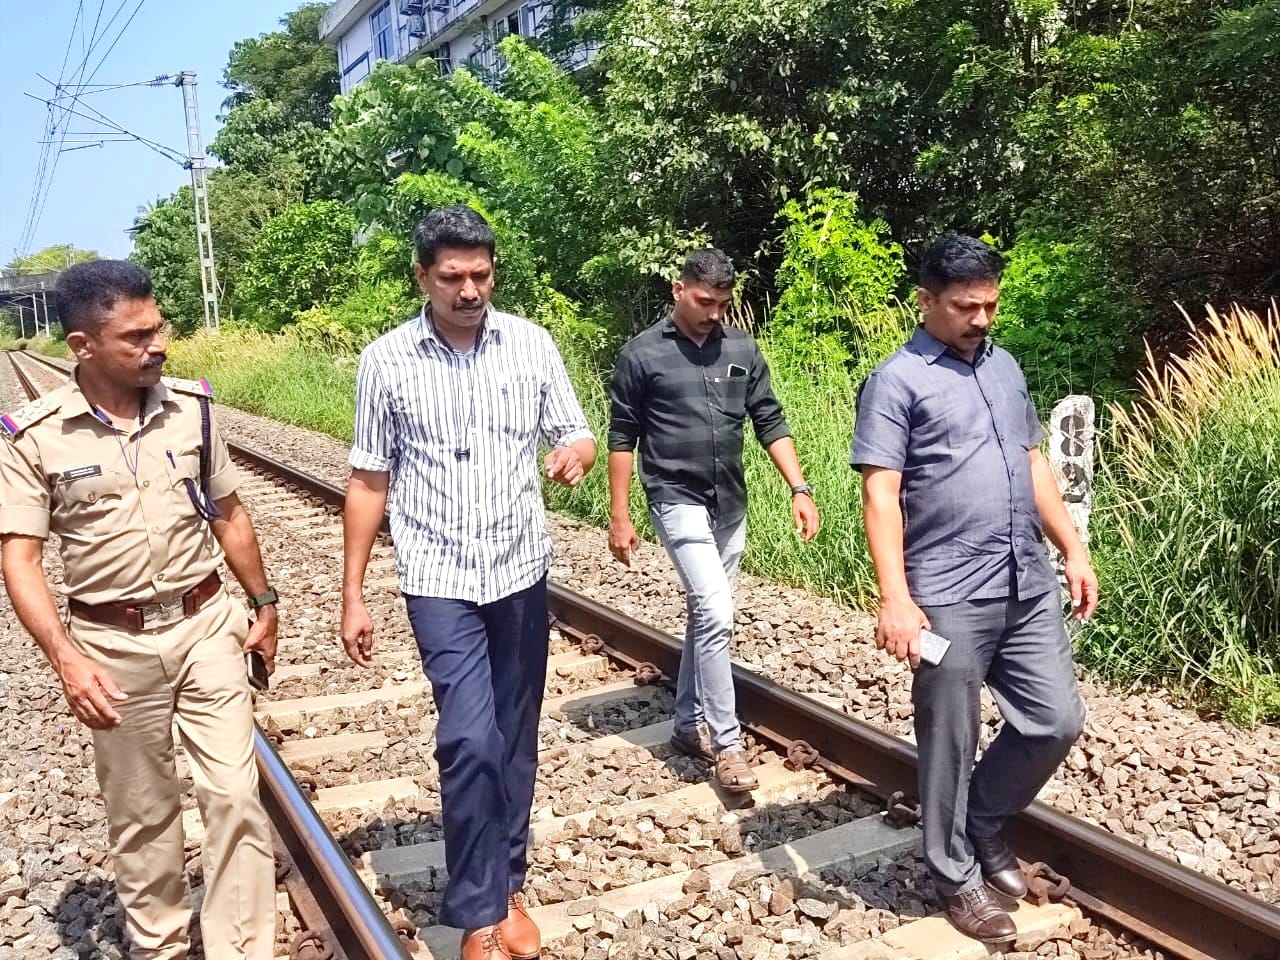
519	932
694	743
977	913
1000	868
484	944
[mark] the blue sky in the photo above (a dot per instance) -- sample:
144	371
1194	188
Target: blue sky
95	192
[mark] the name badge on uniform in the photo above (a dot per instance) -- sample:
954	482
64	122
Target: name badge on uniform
80	473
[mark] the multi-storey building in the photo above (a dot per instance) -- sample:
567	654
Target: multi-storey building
454	33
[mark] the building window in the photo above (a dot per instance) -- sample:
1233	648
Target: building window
380	28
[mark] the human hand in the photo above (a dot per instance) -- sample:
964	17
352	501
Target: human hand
90	691
1083	584
623	542
564	466
804	512
898	629
357	632
263	634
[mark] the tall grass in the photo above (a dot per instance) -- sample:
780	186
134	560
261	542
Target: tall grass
1187	522
285	377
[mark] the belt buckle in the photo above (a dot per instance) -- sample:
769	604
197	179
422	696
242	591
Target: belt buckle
162	614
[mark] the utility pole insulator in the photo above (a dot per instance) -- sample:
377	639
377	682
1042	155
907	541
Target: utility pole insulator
199	190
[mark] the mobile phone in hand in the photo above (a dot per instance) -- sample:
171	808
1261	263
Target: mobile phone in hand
257	669
932	647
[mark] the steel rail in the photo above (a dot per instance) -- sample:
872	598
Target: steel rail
340	917
1174	908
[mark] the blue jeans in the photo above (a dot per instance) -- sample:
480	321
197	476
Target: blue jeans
705	550
487	665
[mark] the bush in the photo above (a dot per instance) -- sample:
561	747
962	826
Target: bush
301	259
1066	317
835	267
1188	522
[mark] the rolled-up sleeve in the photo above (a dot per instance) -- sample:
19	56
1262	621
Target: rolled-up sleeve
374	441
562	421
762	405
626	402
883	424
24	490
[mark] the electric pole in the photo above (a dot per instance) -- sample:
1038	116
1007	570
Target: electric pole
195	163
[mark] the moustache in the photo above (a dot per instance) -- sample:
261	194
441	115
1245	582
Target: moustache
156	360
468	304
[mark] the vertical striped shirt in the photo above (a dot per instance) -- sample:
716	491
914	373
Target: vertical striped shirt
459	432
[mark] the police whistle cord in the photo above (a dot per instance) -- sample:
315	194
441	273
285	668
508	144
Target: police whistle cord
200	498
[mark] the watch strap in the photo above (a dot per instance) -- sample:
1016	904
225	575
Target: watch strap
264	599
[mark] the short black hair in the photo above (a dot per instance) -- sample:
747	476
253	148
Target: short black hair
457	227
956	258
87	292
709	266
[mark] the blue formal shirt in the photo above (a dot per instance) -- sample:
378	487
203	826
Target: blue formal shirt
959	433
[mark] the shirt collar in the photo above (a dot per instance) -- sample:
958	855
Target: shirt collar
932	349
78	405
493	327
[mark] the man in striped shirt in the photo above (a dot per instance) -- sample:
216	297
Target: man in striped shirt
450	407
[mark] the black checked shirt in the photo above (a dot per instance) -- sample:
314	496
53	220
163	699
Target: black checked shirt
684	405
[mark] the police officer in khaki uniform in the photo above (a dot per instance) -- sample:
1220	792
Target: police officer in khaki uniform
130	471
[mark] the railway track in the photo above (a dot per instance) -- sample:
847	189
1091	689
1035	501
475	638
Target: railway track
816	836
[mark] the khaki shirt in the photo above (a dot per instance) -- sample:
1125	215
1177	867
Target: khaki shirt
124	537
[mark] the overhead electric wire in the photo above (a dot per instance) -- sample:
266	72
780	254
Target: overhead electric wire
169	153
44	181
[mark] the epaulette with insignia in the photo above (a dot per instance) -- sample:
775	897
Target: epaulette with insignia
35	411
197	388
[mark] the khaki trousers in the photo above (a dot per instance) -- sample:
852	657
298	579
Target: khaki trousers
193	671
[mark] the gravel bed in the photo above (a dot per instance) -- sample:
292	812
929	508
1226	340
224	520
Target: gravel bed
1198	790
614	852
578	724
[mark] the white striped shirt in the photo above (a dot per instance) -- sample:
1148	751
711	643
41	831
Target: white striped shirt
459	435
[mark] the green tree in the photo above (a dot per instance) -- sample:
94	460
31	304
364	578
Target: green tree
164	240
257	137
57	257
302	258
290	66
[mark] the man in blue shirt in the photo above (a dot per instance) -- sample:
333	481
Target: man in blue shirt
957	498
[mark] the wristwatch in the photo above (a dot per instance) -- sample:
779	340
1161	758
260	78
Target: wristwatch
802	488
266	599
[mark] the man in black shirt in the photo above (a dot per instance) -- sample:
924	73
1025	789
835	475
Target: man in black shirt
681	391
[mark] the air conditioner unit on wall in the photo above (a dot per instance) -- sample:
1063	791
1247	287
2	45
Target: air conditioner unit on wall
410	8
417	26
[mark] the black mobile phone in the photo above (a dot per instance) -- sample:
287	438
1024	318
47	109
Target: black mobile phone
257	669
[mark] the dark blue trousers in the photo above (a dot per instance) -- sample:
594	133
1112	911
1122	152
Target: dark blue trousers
487	664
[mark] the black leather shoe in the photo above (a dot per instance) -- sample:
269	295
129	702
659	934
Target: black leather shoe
999	867
976	913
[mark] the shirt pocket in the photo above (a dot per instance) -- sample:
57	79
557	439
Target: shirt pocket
729	394
519	408
184	466
91	506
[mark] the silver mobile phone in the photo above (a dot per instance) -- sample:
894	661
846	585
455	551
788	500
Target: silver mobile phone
932	647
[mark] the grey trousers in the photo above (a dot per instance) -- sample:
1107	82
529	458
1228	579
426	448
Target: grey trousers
705	551
1020	650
